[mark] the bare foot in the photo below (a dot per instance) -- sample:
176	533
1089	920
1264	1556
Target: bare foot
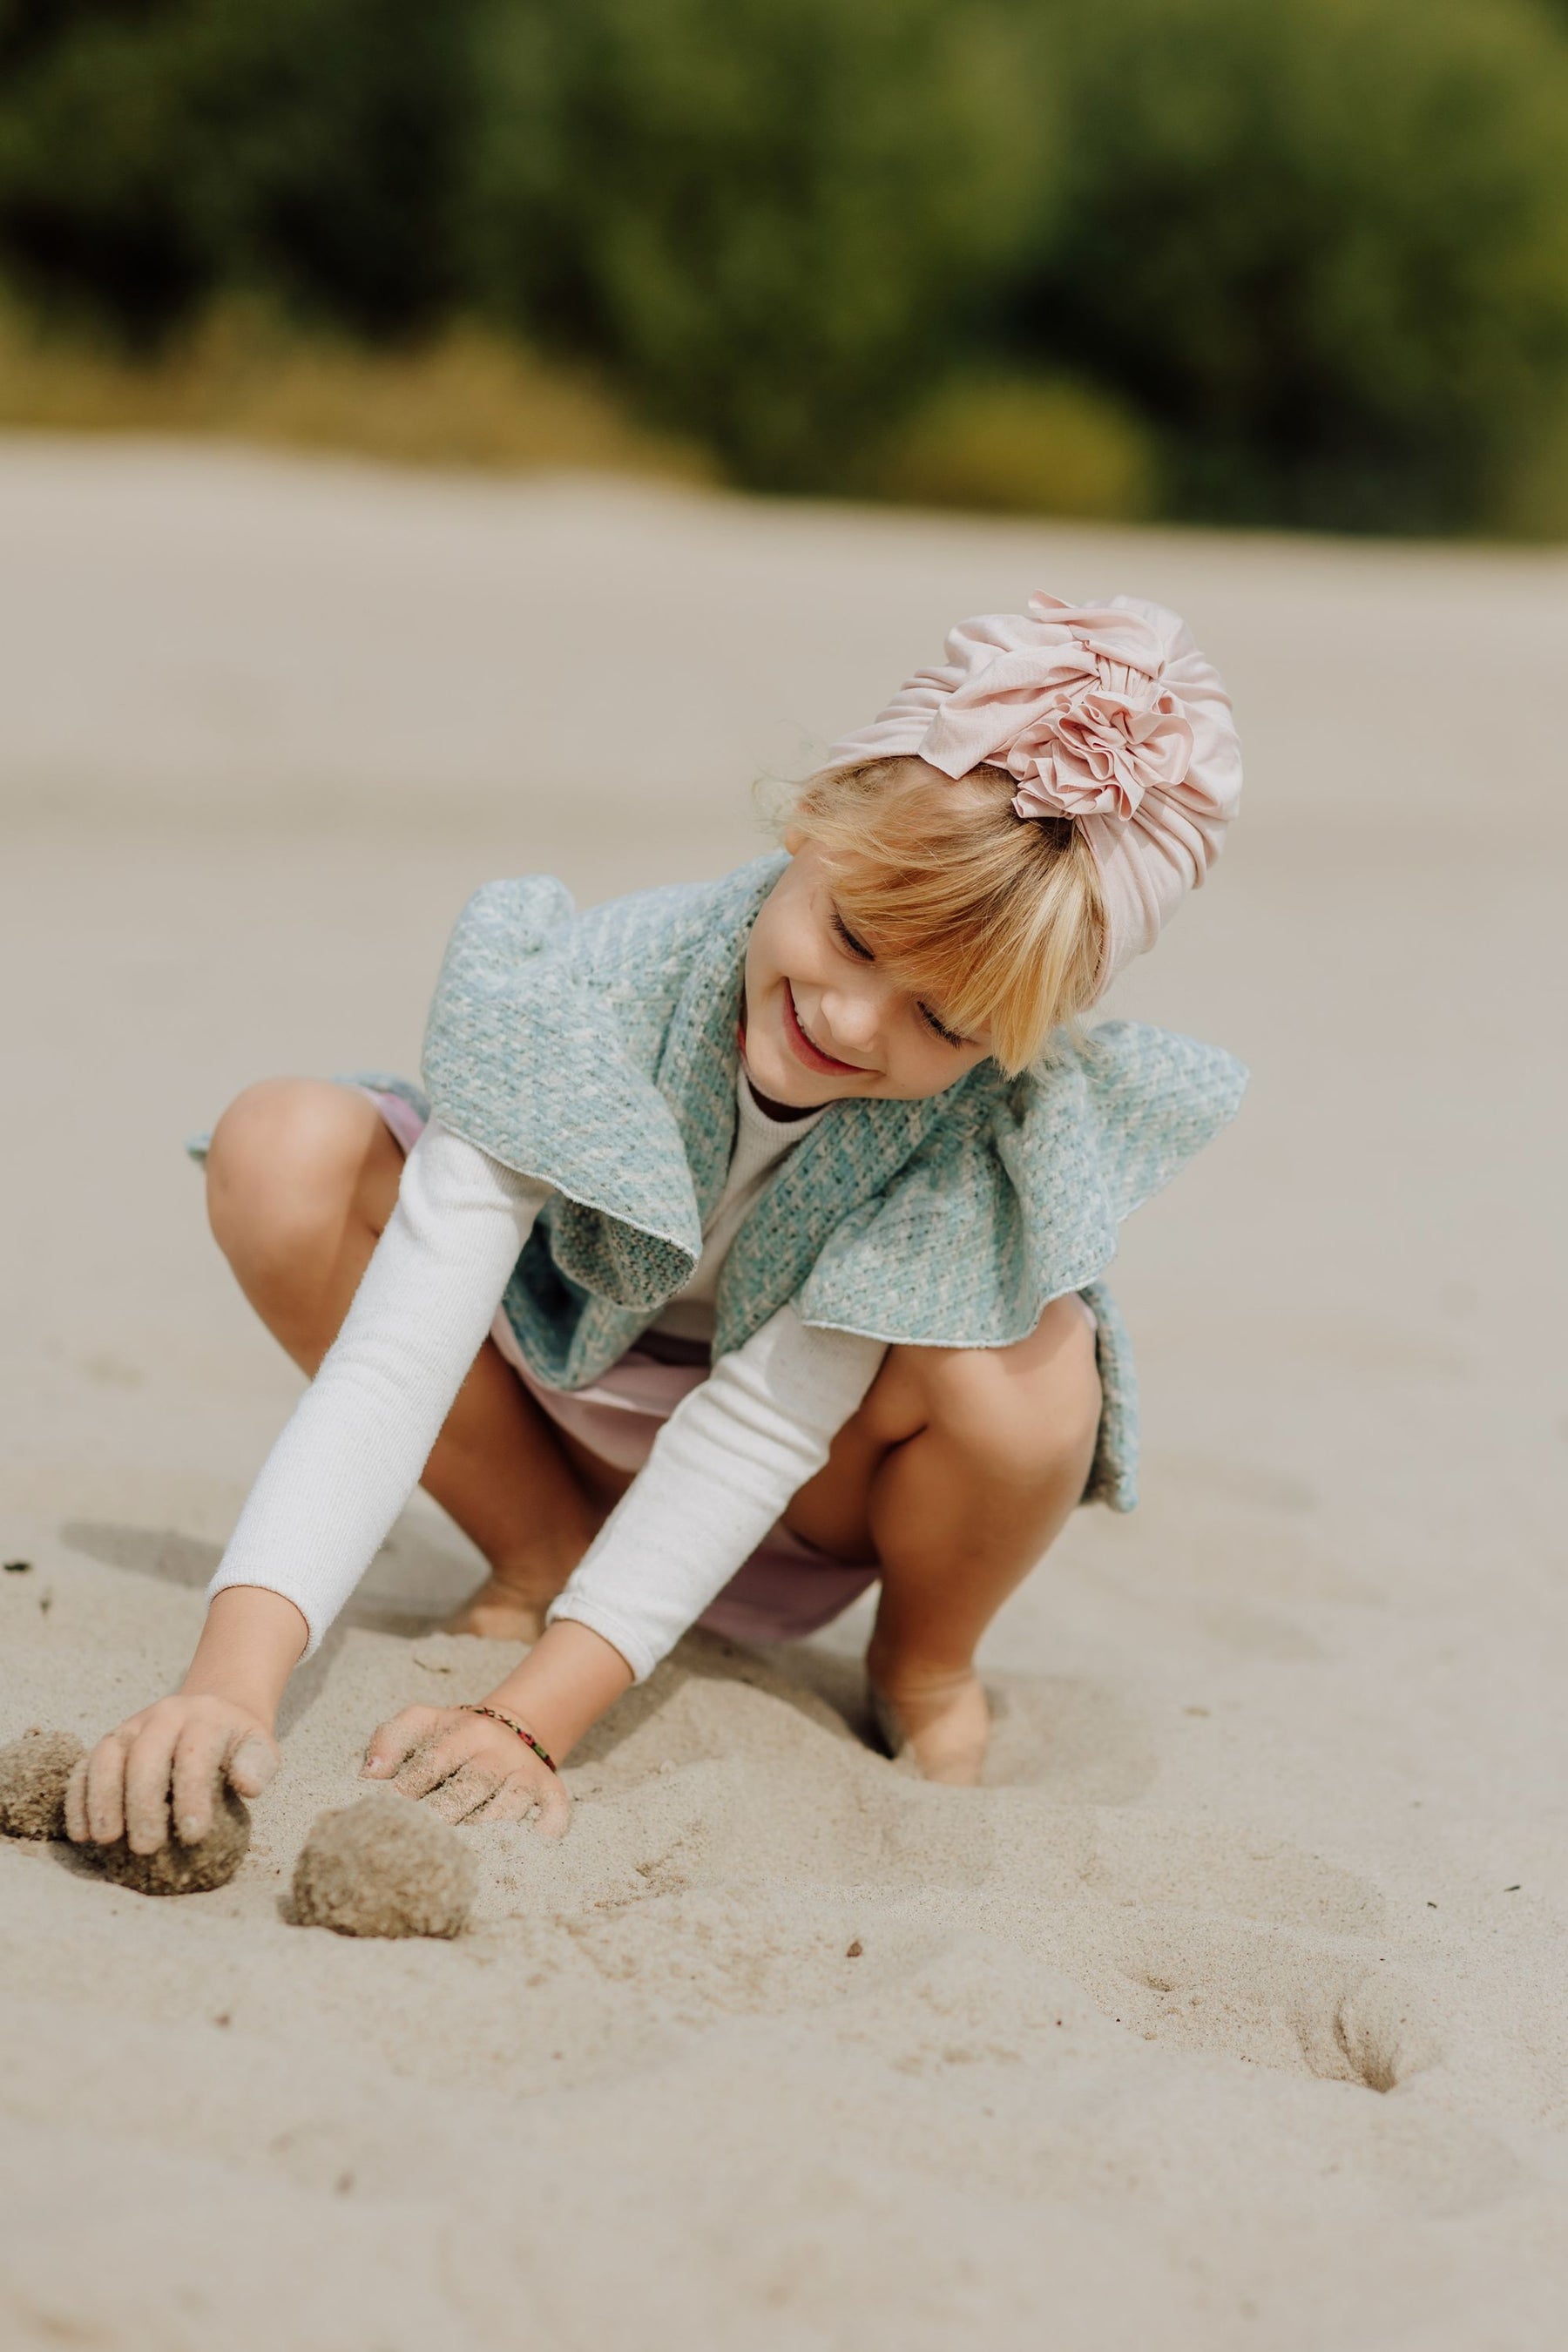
499	1612
943	1727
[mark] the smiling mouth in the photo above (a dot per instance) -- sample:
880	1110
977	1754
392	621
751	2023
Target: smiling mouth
803	1048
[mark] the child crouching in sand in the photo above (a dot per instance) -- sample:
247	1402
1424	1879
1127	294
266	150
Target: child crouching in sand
744	1250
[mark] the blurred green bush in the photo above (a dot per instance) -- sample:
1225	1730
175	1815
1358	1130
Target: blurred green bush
153	150
1323	242
775	218
1263	260
100	211
336	132
1022	445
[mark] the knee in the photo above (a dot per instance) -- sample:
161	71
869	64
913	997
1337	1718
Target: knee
1021	1412
286	1162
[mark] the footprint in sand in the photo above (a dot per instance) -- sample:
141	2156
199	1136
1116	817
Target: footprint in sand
1267	1953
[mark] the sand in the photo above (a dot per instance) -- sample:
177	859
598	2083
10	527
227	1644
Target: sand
1230	2015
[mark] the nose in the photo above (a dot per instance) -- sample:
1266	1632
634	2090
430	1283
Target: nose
855	1015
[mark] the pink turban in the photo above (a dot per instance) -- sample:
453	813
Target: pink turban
1107	714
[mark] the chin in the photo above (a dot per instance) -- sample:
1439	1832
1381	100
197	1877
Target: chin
792	1085
777	1075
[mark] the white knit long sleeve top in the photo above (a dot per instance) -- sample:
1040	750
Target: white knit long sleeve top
722	1471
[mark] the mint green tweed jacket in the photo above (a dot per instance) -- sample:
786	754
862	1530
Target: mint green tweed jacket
596	1052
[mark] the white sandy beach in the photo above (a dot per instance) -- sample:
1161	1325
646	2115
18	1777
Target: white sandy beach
1234	2016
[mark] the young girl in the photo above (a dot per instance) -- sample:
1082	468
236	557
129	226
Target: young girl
745	1251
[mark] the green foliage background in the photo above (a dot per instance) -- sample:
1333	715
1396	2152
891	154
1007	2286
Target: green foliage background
1299	262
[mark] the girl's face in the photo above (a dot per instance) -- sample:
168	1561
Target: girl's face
824	1019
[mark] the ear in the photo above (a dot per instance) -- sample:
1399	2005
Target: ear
794	840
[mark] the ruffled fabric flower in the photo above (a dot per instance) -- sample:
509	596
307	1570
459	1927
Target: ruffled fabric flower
1106	714
1079	714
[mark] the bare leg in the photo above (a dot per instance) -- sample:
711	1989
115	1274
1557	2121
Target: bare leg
302	1178
960	1469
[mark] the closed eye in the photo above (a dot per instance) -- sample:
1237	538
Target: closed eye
847	939
947	1036
863	954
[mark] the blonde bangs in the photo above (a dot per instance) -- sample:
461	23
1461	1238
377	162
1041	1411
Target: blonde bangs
993	922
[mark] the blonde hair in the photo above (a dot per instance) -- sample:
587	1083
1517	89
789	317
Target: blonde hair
995	922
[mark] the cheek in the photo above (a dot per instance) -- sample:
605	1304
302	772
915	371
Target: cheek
924	1065
762	957
915	1069
796	954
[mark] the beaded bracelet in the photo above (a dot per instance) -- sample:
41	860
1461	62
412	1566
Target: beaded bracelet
467	1706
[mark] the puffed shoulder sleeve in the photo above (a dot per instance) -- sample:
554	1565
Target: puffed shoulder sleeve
526	1058
1015	1198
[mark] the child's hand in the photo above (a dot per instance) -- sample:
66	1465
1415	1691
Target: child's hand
181	1749
464	1766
